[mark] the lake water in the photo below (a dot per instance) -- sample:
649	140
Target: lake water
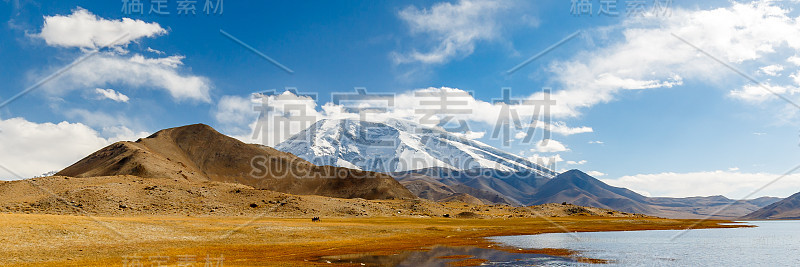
772	243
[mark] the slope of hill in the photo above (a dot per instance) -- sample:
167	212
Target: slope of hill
788	208
429	188
514	188
396	146
199	153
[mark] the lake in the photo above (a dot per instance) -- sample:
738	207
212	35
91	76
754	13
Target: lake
772	243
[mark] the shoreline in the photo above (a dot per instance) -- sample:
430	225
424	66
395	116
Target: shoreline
78	240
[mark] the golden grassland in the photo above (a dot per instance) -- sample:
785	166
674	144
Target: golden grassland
30	239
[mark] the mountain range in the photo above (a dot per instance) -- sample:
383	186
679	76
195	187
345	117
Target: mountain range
492	176
575	187
198	153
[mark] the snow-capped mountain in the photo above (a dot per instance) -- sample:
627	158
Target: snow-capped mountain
398	146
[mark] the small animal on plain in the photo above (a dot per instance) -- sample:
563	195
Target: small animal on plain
315	219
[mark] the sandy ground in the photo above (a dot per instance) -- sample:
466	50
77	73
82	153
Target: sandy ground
128	220
39	239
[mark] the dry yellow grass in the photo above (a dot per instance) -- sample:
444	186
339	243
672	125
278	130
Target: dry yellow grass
33	239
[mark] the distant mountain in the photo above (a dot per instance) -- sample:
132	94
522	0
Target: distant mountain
579	188
398	146
788	208
573	187
199	153
720	206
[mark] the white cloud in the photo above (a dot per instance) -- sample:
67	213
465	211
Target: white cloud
649	56
733	169
595	173
772	70
581	162
794	60
732	184
597	142
548	145
481	116
30	148
113	68
110	69
561	128
113	127
85	30
235	110
111	94
454	27
558	127
757	93
289	114
151	50
471	135
547	161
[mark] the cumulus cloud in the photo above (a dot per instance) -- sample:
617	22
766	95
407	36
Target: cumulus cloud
269	118
111	94
648	56
771	70
151	50
30	148
111	69
471	135
86	30
453	27
581	162
549	146
114	127
757	93
731	183
547	161
595	173
235	110
794	60
114	67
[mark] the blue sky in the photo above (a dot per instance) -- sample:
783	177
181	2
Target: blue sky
638	107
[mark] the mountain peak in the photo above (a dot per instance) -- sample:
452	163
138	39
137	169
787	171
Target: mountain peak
575	172
398	146
196	128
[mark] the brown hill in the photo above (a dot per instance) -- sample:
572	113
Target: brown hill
199	153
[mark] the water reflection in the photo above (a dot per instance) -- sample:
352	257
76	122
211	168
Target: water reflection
446	256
